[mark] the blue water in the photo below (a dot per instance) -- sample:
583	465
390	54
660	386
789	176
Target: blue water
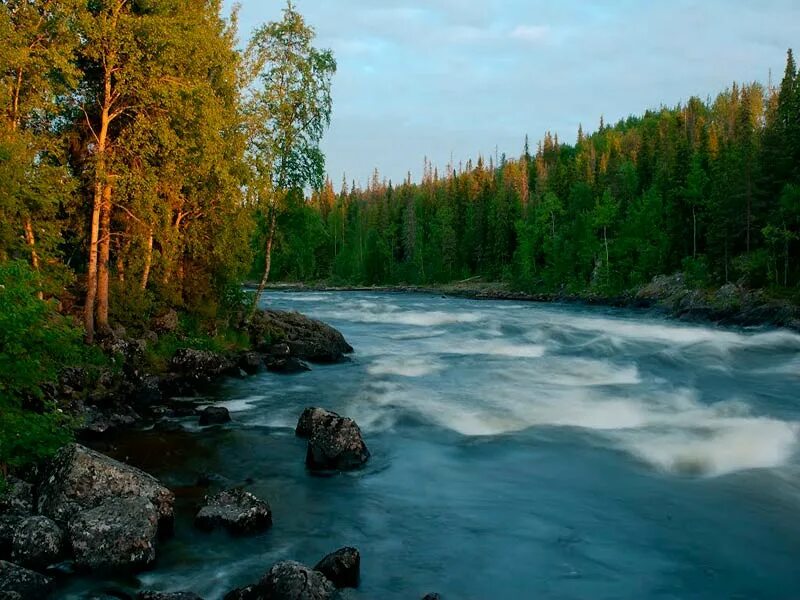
519	451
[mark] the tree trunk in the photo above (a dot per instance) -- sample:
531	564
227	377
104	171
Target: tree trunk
694	232
267	260
103	259
605	242
148	260
30	238
91	275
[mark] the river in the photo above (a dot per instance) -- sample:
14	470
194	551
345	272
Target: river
518	451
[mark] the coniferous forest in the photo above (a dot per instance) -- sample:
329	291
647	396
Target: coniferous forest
708	188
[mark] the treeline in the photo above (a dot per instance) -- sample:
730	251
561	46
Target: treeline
709	188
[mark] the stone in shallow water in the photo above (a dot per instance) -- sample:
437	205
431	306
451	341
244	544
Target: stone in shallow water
150	595
237	510
290	580
118	535
342	568
214	415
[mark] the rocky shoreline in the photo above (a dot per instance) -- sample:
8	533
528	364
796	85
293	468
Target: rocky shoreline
671	296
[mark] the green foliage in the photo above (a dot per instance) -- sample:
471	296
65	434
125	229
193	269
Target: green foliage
29	437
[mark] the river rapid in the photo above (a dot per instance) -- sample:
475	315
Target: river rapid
518	451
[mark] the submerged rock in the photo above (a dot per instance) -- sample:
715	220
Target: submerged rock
19	580
37	543
120	534
342	568
335	442
80	479
149	595
306	338
237	510
214	415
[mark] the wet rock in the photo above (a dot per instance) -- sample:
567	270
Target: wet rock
250	592
168	426
289	580
37	543
167	322
280	351
118	535
102	424
148	595
287	366
432	597
251	362
18	498
335	442
79	478
342	568
237	510
307	339
201	365
147	392
15	579
214	415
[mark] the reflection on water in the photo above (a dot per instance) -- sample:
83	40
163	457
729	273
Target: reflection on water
518	451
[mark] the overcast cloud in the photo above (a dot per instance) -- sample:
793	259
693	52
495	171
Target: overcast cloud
442	78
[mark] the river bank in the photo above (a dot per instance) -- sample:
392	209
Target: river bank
729	305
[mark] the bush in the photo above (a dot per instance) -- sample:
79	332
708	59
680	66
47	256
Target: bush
27	437
696	271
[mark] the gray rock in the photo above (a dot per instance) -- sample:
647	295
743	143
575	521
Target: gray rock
251	362
37	543
80	478
18	498
335	442
342	568
289	580
8	526
27	584
214	415
118	535
287	366
149	595
307	339
201	365
432	597
249	592
237	510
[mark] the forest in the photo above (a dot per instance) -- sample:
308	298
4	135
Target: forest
708	188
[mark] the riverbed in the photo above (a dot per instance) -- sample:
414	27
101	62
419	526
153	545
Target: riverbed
519	451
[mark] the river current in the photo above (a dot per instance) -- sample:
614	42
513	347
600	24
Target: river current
518	451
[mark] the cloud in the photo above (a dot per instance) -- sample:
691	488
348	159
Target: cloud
530	33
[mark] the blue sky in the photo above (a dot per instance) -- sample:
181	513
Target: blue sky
442	78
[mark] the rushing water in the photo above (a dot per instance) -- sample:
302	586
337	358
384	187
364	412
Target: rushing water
518	451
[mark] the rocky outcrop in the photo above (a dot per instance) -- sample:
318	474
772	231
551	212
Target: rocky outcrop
79	479
18	498
149	595
37	543
237	510
27	584
342	568
119	534
251	362
334	442
307	339
214	415
201	366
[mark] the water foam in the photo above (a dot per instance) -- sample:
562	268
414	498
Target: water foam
405	366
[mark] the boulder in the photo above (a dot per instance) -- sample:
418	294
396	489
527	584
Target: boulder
249	592
147	392
27	584
307	339
214	415
335	442
287	366
251	362
118	535
289	580
8	526
279	351
432	597
17	499
149	595
79	479
237	510
201	365
37	543
342	568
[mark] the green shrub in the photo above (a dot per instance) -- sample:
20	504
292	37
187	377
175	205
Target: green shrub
27	437
696	271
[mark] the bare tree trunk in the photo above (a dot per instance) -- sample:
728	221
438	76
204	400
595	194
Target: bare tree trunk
104	256
91	275
30	238
605	241
148	260
267	260
694	232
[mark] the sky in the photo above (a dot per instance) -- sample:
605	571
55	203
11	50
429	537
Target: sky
452	79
